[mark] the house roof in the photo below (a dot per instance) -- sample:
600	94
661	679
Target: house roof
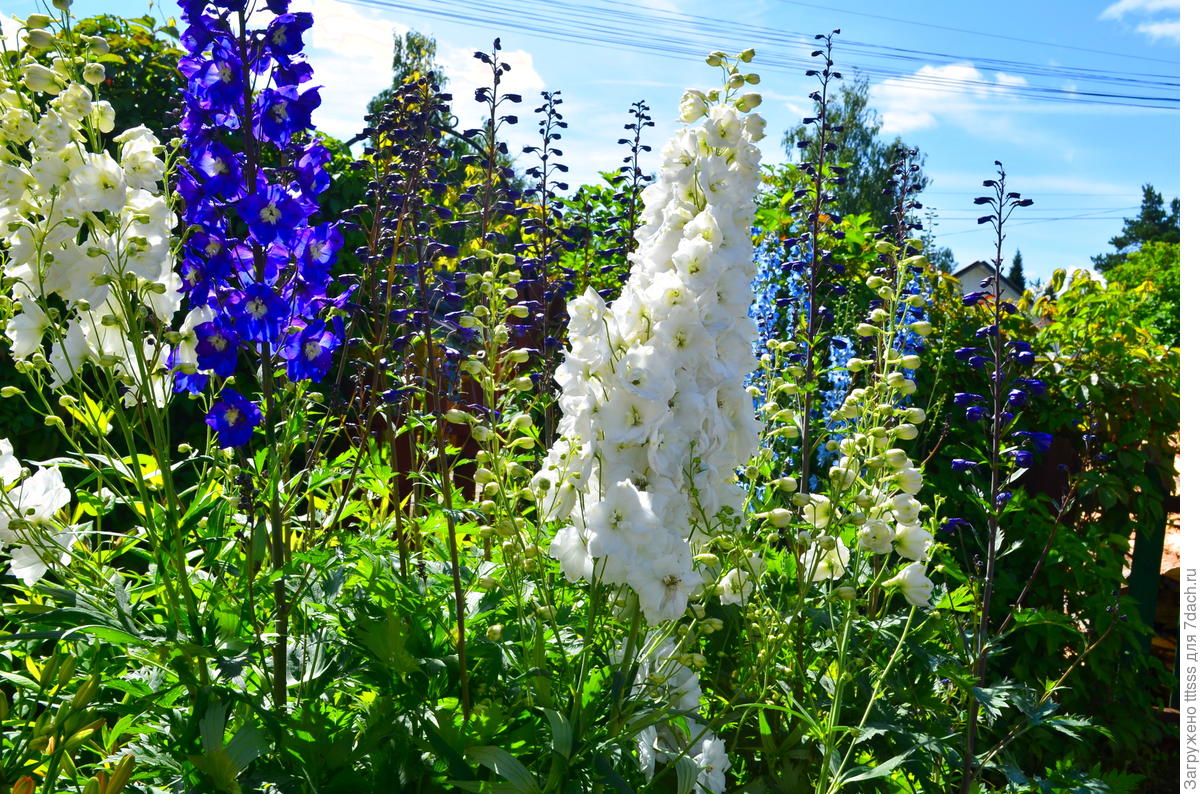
965	272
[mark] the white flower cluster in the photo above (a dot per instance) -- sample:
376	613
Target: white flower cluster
654	408
93	230
28	506
664	676
884	483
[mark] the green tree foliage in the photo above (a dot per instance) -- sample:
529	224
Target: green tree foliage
413	54
942	258
1154	223
1153	273
142	80
867	157
1016	272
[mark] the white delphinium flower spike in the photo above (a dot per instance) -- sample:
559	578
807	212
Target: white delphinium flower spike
654	409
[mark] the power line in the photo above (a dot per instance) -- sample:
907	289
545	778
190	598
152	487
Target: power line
589	26
905	53
1029	222
977	32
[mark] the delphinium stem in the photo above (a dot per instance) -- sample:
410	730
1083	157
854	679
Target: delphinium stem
1003	204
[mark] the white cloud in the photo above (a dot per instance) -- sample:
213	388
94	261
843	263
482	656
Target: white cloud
956	92
10	31
351	54
1122	7
465	73
1166	27
1160	30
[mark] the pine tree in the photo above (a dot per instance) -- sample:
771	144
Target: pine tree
1016	272
1153	224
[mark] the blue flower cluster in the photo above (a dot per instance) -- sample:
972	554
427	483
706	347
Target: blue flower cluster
781	305
252	256
837	376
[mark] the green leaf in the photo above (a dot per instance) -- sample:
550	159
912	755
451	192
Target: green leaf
506	766
882	770
561	736
686	774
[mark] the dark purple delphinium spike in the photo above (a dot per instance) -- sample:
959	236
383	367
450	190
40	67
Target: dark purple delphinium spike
809	254
1009	393
253	257
545	283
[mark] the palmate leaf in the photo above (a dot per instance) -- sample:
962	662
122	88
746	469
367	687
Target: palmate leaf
386	640
993	700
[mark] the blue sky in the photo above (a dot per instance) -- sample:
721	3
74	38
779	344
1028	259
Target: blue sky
936	80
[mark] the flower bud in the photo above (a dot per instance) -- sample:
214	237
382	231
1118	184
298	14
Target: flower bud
38	39
779	517
39	78
865	329
748	102
457	416
495	632
911	361
896	458
10	391
845	593
878	316
801	499
61	5
523	383
857	364
93	74
906	431
37	21
97	44
708	559
692	106
915	415
786	484
922	327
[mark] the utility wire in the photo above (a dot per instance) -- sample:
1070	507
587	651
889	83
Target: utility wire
978	32
792	37
585	26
